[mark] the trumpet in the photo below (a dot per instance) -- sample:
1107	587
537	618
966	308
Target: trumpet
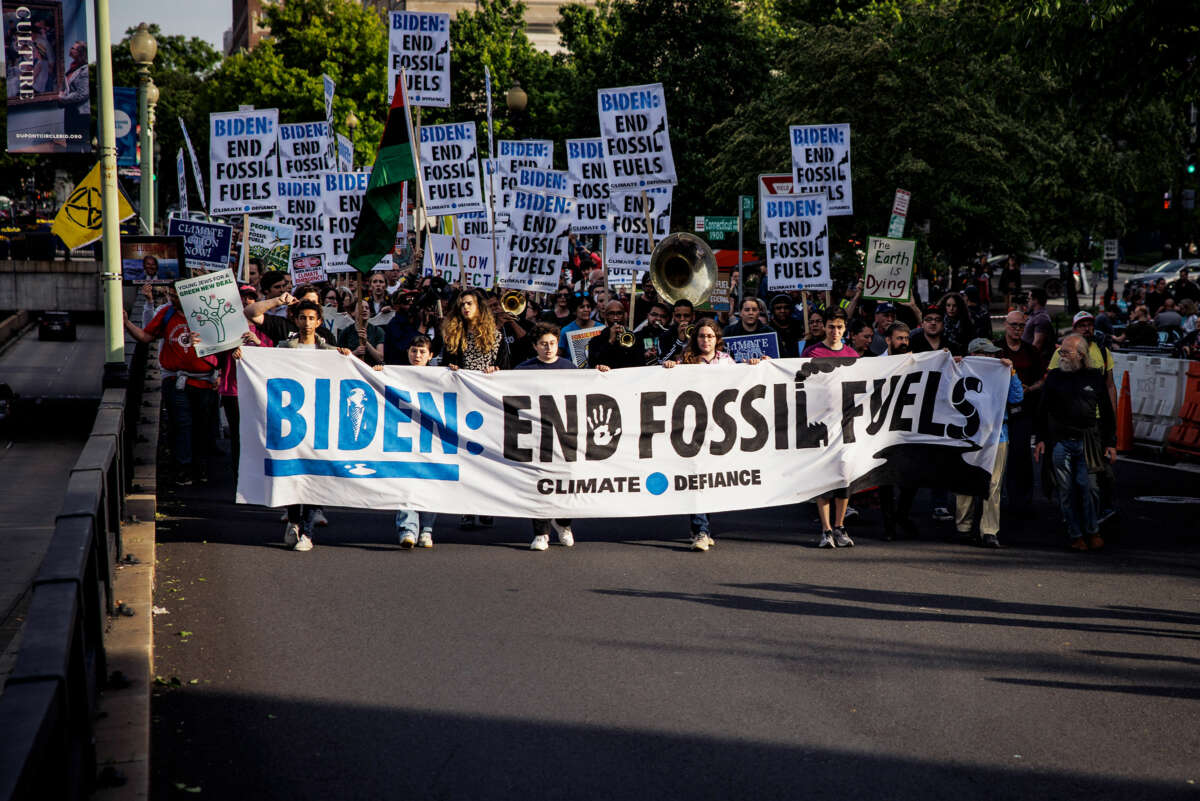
688	331
625	339
513	302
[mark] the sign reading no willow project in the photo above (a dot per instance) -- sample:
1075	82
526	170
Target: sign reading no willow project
321	428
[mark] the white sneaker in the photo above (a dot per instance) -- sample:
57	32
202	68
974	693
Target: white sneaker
708	538
408	540
826	540
540	543
841	538
426	539
303	544
319	518
941	513
700	541
291	534
566	537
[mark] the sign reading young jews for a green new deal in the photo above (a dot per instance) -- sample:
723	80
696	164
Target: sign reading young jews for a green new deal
637	141
821	164
889	268
270	243
212	308
419	43
242	161
797	240
450	168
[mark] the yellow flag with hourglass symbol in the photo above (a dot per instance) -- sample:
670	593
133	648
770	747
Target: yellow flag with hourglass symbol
80	221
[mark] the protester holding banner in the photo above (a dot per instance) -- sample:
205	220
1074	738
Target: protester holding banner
833	346
415	528
227	388
583	319
610	348
409	323
896	502
932	335
859	334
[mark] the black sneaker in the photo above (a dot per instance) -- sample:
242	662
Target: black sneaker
486	522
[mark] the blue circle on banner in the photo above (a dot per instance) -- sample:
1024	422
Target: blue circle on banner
656	483
474	420
474	448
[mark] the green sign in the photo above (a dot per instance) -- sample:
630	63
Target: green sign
720	225
747	206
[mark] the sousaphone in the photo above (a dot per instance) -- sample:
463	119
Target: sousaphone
683	267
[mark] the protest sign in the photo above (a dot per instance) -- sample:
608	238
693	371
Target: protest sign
753	346
152	259
821	164
719	298
889	268
242	161
205	245
196	173
419	43
473	224
212	308
308	269
627	248
511	156
321	428
538	244
328	89
549	182
450	169
442	252
797	242
306	149
181	179
589	185
770	184
577	342
342	197
345	154
637	141
301	207
271	243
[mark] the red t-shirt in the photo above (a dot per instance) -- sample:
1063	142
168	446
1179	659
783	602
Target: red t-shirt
177	351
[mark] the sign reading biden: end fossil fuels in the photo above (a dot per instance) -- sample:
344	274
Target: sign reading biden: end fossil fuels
637	141
796	233
242	161
821	164
419	42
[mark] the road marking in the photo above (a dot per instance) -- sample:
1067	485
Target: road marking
1187	468
1166	499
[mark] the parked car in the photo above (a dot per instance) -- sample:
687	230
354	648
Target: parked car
1038	271
1168	269
56	325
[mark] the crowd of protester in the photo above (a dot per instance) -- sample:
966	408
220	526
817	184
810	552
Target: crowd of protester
1059	421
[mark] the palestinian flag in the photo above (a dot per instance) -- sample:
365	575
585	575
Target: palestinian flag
375	235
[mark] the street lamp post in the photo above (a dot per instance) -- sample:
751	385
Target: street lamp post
114	332
143	47
352	126
150	174
516	100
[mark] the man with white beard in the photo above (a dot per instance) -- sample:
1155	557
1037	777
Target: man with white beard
1075	422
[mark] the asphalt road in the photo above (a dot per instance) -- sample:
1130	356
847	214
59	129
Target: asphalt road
629	667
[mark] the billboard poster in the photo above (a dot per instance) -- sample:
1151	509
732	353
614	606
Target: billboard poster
125	115
46	75
152	259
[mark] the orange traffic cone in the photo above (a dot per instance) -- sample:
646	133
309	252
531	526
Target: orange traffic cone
1125	416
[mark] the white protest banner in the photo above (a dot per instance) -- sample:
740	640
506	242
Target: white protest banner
196	174
212	308
450	169
797	242
578	340
550	182
342	196
627	247
308	269
242	161
473	224
181	177
419	43
477	268
537	247
821	164
325	429
441	260
205	245
270	243
306	149
328	89
589	185
345	154
637	141
512	156
889	268
301	207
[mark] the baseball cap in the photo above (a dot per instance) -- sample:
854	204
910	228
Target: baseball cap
982	345
1083	315
933	308
885	308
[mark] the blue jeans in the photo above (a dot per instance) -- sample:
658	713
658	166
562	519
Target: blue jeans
191	423
408	520
699	523
1074	488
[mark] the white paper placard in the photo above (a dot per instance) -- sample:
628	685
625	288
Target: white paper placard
242	161
821	164
797	242
637	140
419	42
212	308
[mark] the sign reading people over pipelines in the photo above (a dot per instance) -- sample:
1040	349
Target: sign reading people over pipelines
797	240
419	43
889	268
305	149
46	74
270	243
637	142
589	185
325	429
205	245
450	169
301	207
821	164
242	161
212	308
627	248
537	246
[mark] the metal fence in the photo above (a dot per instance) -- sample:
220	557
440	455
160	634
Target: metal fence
48	706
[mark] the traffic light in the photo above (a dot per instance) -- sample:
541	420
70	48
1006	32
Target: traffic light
1191	163
1166	201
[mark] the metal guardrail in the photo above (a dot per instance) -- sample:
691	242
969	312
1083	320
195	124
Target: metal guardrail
48	706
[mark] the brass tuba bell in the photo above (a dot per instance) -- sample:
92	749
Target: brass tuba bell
513	302
625	339
683	267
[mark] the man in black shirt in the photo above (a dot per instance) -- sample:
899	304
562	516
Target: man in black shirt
605	348
932	335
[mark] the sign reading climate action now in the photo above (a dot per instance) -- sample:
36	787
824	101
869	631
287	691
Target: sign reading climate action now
205	245
637	141
797	240
242	161
321	428
419	42
589	185
450	168
821	164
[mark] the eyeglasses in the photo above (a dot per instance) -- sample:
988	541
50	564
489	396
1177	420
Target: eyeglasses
932	319
1015	325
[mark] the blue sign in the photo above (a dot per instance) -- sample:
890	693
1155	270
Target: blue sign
205	245
753	346
125	118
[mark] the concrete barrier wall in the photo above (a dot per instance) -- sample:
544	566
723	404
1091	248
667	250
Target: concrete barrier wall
44	285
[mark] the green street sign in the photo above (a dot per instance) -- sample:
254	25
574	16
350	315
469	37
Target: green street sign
720	224
747	206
